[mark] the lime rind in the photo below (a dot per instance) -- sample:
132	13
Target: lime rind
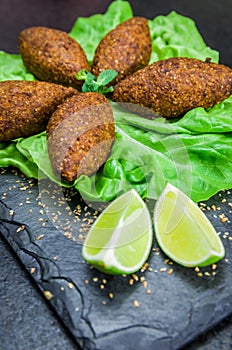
182	229
210	259
108	263
128	245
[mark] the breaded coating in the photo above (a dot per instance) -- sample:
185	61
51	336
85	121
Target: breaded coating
80	135
52	55
26	106
173	86
125	49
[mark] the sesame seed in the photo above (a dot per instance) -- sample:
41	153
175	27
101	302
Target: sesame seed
136	303
207	274
135	277
145	284
21	228
32	270
39	237
48	295
155	249
70	285
163	269
224	219
202	204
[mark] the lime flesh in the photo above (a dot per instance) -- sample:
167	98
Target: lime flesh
120	240
183	231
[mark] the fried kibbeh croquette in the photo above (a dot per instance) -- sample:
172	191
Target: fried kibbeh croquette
125	49
52	55
26	106
80	135
173	86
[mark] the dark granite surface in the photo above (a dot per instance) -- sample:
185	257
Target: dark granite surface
27	320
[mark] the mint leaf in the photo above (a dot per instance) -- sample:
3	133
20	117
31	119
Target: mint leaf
92	84
104	90
83	74
106	76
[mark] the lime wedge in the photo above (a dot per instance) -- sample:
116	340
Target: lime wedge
120	240
183	232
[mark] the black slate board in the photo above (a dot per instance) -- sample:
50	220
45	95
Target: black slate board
48	241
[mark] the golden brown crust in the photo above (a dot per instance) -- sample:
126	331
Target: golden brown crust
80	135
125	49
52	55
26	106
173	86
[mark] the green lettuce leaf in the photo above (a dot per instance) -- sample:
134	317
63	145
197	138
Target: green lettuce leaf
193	153
10	156
214	120
176	35
12	68
89	31
34	148
149	153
